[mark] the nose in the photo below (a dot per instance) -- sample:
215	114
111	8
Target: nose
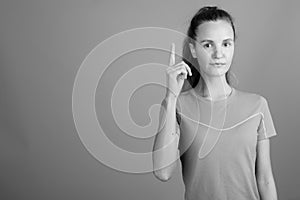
218	53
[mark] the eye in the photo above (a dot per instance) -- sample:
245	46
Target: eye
207	45
227	44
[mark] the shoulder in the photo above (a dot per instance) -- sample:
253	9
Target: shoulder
186	95
250	97
187	101
248	103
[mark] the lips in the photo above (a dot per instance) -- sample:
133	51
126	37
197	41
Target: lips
218	64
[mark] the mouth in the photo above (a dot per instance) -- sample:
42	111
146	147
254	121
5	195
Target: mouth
218	64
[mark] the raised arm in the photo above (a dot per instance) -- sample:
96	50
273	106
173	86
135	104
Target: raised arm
165	149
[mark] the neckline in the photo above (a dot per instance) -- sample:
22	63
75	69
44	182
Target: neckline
224	100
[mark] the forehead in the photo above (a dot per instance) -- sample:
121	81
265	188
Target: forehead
215	30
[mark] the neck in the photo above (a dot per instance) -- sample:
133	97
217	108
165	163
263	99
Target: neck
215	87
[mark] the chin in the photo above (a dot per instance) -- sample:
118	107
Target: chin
219	72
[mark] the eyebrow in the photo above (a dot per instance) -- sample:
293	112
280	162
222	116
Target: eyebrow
206	40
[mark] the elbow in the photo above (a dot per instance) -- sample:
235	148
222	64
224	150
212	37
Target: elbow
165	174
265	181
162	176
265	178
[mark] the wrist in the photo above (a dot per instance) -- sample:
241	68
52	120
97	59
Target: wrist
171	94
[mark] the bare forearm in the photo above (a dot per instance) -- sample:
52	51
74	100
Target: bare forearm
267	189
166	142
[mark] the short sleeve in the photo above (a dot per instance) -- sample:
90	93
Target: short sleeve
266	128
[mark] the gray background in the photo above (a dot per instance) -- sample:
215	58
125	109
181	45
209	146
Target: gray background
43	43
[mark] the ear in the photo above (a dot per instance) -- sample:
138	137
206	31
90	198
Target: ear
192	49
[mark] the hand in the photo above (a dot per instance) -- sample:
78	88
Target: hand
176	74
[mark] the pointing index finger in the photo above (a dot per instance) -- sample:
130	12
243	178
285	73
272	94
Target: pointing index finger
172	56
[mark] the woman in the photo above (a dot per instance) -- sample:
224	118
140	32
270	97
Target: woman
221	133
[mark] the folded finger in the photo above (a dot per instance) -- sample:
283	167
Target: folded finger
188	68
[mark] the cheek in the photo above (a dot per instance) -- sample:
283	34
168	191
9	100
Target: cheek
230	53
203	56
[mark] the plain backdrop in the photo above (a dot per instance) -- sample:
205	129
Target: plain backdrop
42	45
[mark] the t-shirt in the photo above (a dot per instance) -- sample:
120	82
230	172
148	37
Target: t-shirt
218	142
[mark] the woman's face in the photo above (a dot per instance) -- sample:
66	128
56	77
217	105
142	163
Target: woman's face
214	47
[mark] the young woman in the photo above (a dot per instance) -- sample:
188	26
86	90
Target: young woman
221	133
